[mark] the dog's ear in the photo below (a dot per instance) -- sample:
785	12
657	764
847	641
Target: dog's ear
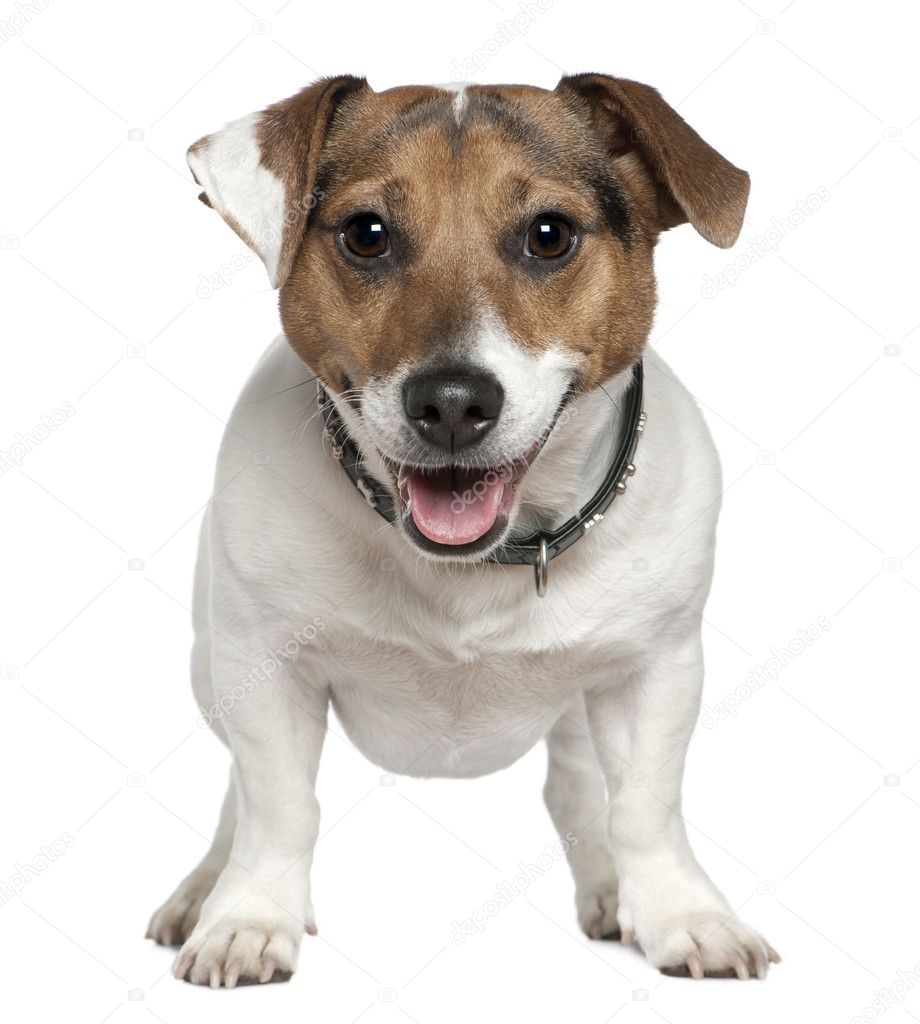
259	172
677	176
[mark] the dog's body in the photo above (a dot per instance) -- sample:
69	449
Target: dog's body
461	670
452	666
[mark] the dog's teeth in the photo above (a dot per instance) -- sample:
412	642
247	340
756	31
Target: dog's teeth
404	486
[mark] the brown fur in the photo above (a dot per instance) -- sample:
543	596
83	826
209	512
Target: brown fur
690	180
609	153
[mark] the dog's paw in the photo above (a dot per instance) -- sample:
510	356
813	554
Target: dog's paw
239	951
175	920
711	945
597	911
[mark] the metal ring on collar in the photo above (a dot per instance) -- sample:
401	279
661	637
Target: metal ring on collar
541	568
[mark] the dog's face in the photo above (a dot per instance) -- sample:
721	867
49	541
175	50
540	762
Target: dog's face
456	265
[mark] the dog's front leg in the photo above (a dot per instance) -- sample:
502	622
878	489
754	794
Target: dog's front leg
641	727
252	922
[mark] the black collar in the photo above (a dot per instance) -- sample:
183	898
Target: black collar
539	548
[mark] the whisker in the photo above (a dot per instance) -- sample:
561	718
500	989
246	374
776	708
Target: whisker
284	390
612	402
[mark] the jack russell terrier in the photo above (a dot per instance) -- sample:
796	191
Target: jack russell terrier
459	499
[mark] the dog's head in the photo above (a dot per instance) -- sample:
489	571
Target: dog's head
457	264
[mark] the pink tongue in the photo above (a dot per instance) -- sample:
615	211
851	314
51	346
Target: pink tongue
455	506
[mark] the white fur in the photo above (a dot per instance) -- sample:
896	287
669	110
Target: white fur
457	669
460	98
459	104
228	167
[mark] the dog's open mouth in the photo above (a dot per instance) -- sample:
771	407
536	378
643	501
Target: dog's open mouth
457	509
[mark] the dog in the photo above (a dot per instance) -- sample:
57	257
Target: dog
413	518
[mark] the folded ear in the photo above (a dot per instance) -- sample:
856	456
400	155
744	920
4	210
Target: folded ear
259	172
690	180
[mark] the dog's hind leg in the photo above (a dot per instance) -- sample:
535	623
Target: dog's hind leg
576	797
172	924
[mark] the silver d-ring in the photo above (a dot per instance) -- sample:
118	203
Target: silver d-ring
541	568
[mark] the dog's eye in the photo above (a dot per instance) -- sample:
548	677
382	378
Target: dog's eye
366	235
548	238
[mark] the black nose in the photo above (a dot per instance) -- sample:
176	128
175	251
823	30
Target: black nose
452	410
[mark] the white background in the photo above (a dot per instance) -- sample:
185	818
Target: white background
804	803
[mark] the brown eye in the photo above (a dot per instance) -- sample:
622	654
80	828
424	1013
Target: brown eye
549	238
366	235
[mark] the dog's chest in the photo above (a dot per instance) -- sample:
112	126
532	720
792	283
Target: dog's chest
427	686
427	713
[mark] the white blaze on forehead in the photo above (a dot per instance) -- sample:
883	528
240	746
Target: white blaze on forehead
459	104
228	166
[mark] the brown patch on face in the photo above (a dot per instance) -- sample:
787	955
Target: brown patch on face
458	195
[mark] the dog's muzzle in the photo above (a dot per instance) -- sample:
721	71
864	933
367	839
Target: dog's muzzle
457	511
